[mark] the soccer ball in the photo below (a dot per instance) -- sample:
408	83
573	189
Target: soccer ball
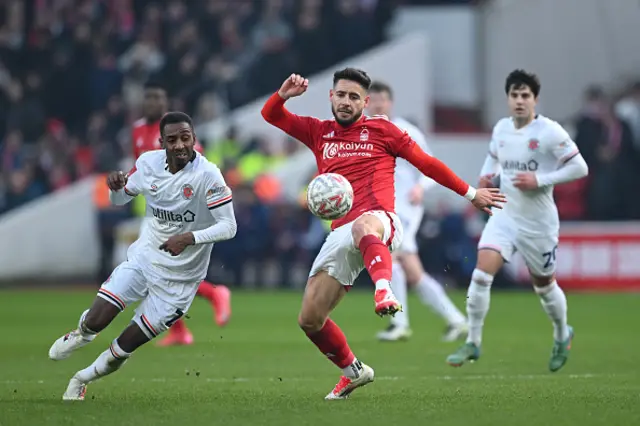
329	196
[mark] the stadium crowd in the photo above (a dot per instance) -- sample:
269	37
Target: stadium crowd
72	74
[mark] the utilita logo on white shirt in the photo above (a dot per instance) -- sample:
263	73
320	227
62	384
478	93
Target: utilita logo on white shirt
346	149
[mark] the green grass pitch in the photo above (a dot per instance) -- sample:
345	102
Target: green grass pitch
262	370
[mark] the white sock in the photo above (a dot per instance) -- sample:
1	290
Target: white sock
86	333
353	370
399	286
478	300
432	294
106	363
383	285
554	303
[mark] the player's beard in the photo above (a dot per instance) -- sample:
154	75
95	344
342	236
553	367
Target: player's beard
348	122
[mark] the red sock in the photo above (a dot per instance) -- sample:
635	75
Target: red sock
332	342
207	290
178	327
377	258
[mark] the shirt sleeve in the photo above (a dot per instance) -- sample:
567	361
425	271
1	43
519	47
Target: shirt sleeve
132	188
305	129
219	200
571	164
560	145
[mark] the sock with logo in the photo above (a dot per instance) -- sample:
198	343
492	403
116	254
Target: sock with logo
333	344
377	260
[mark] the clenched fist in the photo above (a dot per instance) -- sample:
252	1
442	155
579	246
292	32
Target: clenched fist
293	86
116	181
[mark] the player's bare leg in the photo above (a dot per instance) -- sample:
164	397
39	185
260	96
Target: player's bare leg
367	232
554	303
107	362
92	322
478	301
322	294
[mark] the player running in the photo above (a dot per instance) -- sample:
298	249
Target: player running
363	150
410	188
533	154
146	137
188	209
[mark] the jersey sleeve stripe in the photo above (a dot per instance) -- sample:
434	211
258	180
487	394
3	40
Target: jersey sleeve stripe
219	202
215	206
148	325
129	193
566	158
110	297
493	155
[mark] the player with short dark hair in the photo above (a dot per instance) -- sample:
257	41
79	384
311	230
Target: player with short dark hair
528	155
363	150
146	137
188	209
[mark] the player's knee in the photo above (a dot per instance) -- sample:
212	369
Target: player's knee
310	323
489	261
364	226
542	283
481	277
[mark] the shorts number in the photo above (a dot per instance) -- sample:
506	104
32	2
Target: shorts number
174	318
550	257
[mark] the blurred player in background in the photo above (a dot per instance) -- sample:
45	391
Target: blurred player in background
363	150
410	188
188	209
146	137
531	153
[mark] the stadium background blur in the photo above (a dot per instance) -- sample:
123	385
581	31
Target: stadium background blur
71	83
72	76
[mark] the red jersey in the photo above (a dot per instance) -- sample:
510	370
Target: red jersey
364	153
145	137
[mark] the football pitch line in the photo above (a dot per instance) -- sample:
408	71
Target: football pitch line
487	377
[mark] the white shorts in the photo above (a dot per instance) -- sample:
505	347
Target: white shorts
342	259
503	236
163	302
410	226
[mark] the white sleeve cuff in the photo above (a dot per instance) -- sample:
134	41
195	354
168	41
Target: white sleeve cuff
471	193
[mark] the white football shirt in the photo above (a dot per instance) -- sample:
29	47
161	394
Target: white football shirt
406	175
175	204
540	147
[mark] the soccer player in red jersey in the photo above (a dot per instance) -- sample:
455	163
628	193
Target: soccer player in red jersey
146	137
363	150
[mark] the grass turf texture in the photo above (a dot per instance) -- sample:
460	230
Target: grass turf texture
262	370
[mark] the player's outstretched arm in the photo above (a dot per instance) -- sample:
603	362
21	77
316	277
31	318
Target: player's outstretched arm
274	112
483	199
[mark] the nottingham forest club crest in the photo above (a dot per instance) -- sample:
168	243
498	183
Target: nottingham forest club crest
187	191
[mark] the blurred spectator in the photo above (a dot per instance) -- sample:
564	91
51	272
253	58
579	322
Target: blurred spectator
606	143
